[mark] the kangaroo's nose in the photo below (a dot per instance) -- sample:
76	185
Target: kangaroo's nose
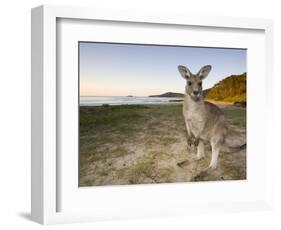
195	92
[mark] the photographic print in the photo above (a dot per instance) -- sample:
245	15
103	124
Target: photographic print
161	114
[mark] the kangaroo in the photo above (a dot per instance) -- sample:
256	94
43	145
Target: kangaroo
204	121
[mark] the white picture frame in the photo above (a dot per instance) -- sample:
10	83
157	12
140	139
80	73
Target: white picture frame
46	181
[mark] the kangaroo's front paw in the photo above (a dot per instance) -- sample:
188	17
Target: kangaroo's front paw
196	141
190	141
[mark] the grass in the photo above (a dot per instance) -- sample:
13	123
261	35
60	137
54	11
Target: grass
236	116
117	124
129	141
146	170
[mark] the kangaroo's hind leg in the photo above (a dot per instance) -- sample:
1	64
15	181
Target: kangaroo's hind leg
189	135
200	150
216	146
204	174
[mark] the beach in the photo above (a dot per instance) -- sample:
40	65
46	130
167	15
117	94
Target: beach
142	144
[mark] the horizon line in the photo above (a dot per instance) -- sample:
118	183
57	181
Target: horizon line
127	95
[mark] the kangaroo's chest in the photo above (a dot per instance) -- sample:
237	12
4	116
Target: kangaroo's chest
195	117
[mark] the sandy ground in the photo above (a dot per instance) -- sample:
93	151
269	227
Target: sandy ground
150	153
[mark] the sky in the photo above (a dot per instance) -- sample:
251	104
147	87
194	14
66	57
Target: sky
108	69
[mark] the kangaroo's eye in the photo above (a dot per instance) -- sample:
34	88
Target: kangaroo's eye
189	83
200	83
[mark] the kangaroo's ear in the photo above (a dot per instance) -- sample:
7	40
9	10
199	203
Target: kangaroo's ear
184	71
204	71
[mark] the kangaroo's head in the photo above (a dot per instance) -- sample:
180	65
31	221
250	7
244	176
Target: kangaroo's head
193	86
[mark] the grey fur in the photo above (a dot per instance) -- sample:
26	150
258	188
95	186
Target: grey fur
204	121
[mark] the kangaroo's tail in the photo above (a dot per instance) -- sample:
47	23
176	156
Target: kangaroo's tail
231	149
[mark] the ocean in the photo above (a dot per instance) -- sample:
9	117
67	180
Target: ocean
120	100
